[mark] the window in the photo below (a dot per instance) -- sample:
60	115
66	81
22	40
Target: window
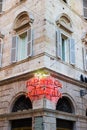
0	6
22	41
65	48
1	47
85	58
85	8
65	44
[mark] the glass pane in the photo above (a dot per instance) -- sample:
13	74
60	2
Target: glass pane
64	124
22	46
63	49
22	124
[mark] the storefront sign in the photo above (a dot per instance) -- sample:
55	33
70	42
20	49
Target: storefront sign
46	87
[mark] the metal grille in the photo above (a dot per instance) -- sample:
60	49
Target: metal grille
21	104
64	105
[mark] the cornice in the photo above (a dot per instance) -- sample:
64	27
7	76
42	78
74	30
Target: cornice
27	75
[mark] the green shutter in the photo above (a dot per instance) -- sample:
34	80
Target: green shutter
14	49
29	42
58	44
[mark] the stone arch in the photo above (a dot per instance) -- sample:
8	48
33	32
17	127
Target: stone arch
16	98
65	20
21	20
69	102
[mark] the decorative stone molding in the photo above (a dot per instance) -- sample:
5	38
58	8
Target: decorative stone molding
1	35
84	40
64	23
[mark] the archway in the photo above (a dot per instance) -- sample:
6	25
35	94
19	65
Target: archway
21	104
64	105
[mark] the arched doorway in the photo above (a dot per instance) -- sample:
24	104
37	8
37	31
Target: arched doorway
65	105
21	104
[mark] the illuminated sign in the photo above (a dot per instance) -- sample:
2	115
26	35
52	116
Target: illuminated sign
45	87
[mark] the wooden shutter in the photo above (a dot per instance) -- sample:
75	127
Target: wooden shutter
0	6
14	49
85	8
58	44
72	51
1	46
84	51
29	42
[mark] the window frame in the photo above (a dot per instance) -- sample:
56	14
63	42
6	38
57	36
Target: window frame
28	44
68	41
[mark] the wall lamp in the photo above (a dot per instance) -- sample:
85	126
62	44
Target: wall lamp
83	92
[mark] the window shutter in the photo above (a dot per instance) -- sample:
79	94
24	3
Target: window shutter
0	6
58	44
72	51
14	49
85	8
29	42
1	46
84	51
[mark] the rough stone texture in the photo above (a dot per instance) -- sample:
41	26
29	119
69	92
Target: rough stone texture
45	13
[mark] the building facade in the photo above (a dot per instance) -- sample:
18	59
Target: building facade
43	37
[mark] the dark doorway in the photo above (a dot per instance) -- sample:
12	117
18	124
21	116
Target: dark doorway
64	105
22	103
22	124
64	124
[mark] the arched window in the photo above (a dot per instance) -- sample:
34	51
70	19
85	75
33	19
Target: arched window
22	103
22	40
65	43
65	105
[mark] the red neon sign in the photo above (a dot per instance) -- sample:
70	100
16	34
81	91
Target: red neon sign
47	87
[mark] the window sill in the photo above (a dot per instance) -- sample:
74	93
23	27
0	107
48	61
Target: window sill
66	63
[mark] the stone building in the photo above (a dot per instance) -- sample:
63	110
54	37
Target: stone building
43	37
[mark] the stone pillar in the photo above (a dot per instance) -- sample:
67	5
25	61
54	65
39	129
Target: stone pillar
6	125
49	123
38	123
44	123
44	103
